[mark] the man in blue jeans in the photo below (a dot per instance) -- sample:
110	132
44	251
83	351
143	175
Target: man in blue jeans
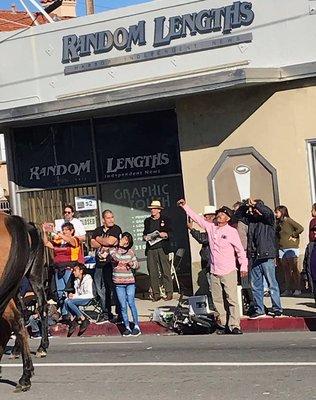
104	238
261	252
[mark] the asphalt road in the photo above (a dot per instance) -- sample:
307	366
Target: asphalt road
252	366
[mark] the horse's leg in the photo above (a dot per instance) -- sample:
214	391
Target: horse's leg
36	278
16	350
13	315
43	311
5	329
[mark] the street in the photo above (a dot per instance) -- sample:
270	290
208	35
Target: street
252	366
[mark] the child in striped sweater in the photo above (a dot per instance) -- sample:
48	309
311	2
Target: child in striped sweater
124	266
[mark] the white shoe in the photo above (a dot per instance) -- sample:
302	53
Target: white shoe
297	293
286	293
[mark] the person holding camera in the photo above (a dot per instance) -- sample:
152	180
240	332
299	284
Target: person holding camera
67	252
262	252
224	243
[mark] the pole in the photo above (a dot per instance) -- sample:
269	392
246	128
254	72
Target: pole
90	7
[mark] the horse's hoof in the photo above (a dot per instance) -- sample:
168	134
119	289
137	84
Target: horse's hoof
41	354
22	388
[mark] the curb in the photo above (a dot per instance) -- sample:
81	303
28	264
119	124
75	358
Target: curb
109	329
267	324
281	324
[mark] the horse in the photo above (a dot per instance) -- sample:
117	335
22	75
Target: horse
20	245
35	275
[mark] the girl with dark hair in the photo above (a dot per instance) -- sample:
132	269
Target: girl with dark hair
124	266
67	253
288	232
83	288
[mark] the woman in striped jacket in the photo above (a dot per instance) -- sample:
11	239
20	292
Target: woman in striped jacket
124	266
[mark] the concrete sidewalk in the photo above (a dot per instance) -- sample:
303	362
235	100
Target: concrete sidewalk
299	315
303	306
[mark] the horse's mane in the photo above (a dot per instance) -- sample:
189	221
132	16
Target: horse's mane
20	257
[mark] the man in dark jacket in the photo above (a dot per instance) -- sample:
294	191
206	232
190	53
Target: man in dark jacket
261	252
156	234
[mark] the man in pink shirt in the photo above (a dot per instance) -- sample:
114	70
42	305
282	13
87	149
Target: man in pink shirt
224	245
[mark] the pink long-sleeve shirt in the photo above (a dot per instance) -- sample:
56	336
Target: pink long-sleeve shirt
224	243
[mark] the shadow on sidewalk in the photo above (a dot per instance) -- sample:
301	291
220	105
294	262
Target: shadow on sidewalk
310	305
291	312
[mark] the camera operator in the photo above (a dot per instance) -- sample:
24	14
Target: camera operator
262	252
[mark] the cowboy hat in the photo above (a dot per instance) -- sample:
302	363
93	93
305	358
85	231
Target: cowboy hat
156	204
209	210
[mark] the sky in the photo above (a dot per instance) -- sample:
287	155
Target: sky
100	5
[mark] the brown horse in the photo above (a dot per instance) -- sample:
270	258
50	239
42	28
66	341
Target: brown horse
35	274
19	247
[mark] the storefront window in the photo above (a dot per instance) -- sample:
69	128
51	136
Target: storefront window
48	205
129	202
51	156
127	160
139	161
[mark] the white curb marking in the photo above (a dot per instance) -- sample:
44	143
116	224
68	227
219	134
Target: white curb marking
81	343
173	364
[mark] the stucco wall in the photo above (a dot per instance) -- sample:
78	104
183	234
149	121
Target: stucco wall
276	121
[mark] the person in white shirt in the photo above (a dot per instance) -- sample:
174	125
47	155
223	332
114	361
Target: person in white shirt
69	213
83	287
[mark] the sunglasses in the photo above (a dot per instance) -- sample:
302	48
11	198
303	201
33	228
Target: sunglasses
67	212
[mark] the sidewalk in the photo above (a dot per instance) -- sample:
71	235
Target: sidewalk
299	315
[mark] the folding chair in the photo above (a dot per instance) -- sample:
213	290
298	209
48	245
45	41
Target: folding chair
92	310
175	261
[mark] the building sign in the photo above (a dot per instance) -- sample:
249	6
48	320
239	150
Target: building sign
137	146
223	19
53	155
89	223
86	203
190	47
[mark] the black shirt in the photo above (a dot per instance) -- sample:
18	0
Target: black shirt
154	225
114	231
161	224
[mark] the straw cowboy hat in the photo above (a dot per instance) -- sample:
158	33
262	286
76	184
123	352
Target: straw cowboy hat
209	210
156	204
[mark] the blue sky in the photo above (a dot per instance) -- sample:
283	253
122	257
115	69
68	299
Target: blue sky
100	5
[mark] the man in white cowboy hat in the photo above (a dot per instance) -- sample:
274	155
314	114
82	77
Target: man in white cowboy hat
201	237
156	234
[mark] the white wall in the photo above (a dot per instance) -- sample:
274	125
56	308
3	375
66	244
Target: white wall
31	70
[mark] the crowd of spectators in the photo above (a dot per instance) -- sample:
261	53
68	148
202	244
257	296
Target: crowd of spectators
249	244
265	251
